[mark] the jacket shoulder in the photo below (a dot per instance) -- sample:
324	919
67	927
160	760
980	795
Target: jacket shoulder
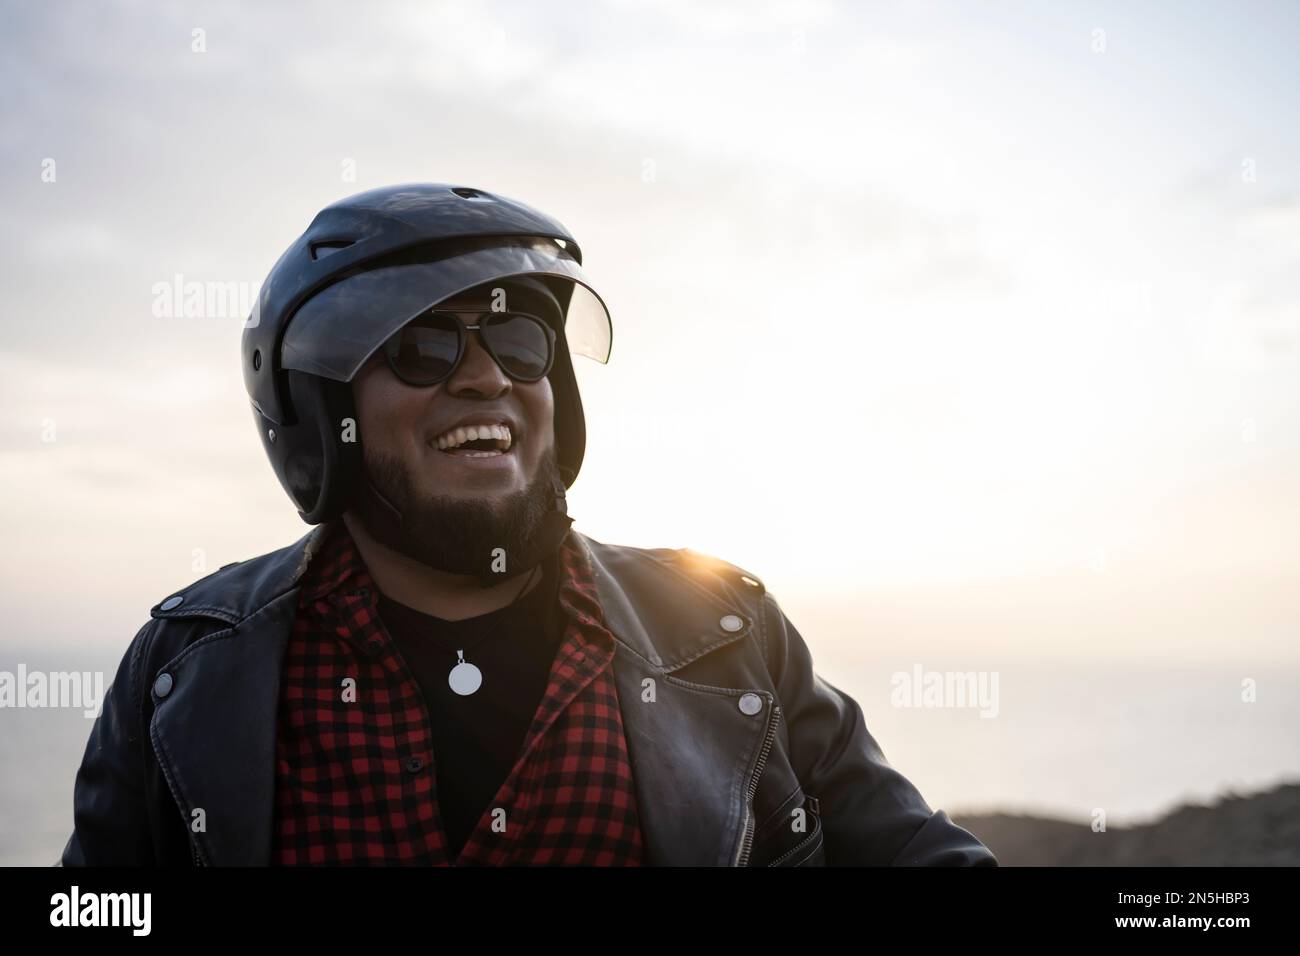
674	606
682	601
699	564
238	589
713	573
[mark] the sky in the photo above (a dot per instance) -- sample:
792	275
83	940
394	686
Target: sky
965	328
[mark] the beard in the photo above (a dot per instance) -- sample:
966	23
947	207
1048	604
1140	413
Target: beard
461	535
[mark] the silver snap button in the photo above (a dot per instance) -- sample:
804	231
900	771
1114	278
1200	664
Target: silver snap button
750	704
731	622
163	685
174	601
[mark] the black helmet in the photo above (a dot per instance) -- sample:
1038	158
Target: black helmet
365	267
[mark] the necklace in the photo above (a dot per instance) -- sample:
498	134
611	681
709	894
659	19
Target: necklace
464	677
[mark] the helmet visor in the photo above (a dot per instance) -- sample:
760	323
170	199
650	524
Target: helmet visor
335	331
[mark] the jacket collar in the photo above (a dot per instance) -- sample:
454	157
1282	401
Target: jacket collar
692	789
629	583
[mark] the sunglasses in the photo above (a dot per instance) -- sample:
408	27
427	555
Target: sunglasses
428	349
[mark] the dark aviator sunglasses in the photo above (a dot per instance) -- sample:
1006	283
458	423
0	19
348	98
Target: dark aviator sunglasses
429	348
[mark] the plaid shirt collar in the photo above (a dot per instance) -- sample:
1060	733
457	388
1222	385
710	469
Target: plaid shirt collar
337	568
340	578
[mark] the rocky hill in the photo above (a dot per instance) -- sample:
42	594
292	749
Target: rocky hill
1261	829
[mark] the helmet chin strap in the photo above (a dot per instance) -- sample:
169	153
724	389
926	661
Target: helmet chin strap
384	523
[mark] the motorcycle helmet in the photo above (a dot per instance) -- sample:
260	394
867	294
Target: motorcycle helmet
365	267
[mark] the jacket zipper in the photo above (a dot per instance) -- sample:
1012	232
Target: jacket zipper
814	805
194	849
746	844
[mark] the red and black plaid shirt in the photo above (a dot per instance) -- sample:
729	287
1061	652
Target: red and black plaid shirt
355	780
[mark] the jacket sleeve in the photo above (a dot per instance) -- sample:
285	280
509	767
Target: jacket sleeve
871	814
110	813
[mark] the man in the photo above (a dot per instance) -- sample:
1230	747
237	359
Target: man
444	671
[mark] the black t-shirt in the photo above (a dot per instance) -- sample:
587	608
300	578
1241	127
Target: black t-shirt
478	737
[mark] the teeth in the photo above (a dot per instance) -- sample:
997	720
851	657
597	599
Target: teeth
458	436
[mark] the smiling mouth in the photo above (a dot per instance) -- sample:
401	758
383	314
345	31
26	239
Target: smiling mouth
474	453
476	441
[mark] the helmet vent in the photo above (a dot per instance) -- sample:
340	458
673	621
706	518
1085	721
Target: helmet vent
319	250
465	192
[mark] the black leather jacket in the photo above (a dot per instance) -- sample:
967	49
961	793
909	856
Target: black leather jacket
741	731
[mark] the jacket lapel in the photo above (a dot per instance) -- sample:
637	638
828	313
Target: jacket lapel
693	751
224	693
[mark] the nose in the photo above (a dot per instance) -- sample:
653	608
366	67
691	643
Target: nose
478	373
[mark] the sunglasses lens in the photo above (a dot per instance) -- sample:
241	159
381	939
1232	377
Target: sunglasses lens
424	351
521	344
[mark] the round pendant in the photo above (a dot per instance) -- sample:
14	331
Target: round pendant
465	678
